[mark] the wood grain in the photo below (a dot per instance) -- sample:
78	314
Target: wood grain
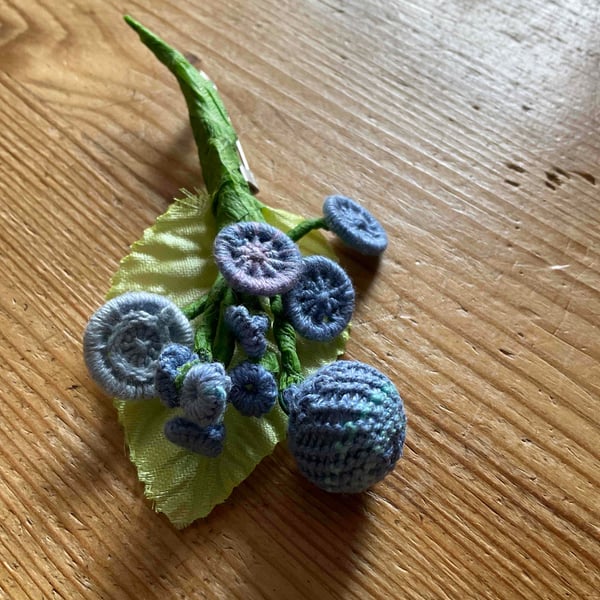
471	129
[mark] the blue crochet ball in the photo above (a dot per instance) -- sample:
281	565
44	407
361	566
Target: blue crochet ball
346	426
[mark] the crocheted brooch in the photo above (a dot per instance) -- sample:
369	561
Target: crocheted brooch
222	330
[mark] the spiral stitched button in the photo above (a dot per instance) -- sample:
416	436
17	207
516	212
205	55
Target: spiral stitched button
354	225
321	303
253	390
123	340
257	258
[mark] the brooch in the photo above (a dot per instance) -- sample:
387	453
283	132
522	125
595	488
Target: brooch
222	329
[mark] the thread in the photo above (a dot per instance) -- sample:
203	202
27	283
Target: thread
354	225
257	259
207	441
123	340
170	361
253	390
249	330
321	303
346	427
204	392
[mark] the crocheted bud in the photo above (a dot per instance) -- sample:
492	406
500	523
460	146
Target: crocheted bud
346	426
253	390
170	360
207	441
249	330
257	258
203	395
354	225
124	338
321	303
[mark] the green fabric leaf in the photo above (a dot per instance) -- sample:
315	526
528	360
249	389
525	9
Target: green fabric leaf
174	258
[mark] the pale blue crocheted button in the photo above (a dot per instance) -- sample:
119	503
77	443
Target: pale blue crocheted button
203	395
207	441
354	225
321	303
170	360
253	390
346	426
124	338
257	258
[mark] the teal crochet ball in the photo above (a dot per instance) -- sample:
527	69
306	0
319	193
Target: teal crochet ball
346	426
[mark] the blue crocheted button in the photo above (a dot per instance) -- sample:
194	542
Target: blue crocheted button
354	225
249	330
203	394
321	303
346	426
207	441
257	258
170	360
124	338
253	390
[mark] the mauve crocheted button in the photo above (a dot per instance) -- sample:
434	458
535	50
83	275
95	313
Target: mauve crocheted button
354	225
321	303
257	258
124	338
346	426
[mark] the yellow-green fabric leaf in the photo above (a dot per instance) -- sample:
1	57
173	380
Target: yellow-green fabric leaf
174	258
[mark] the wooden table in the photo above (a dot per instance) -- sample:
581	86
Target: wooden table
472	130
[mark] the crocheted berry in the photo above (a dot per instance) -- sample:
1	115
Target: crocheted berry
249	330
203	394
207	441
170	360
124	338
346	426
253	391
354	225
257	258
320	305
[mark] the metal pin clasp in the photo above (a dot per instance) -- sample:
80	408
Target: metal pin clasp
245	169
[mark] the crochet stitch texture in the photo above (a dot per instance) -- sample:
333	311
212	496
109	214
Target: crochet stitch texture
249	330
257	258
187	434
170	360
346	426
123	340
204	393
354	225
254	389
321	303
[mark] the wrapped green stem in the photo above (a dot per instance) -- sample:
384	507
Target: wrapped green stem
285	338
305	227
196	308
213	132
206	331
223	345
270	362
